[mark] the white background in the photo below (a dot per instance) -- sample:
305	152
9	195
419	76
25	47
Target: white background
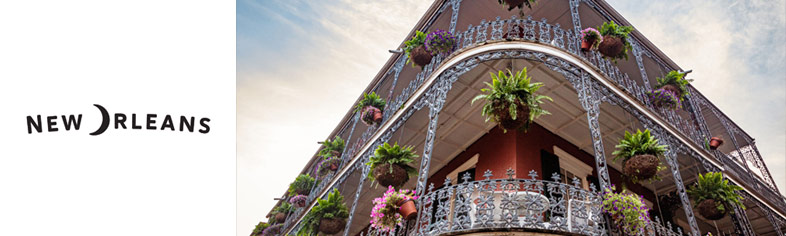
159	57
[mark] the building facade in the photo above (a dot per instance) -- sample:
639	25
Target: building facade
474	178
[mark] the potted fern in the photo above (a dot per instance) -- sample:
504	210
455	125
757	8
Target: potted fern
590	39
259	228
639	153
510	100
302	185
615	43
370	108
389	165
331	155
628	211
415	50
516	3
281	212
713	195
329	216
440	42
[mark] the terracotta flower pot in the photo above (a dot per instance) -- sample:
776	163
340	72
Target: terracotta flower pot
611	46
385	177
674	89
641	166
331	225
513	3
715	142
586	45
420	56
333	167
371	115
407	209
709	209
506	121
281	217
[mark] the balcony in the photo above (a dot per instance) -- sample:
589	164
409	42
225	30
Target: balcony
511	204
489	45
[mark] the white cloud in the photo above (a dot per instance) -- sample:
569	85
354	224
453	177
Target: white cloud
332	64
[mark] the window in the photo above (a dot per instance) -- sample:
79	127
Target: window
467	167
571	166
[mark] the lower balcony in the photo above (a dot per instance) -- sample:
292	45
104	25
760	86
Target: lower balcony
511	204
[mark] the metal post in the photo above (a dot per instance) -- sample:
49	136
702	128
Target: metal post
671	158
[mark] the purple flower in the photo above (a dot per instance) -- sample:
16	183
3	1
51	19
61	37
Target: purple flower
440	42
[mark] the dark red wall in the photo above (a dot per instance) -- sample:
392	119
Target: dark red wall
521	151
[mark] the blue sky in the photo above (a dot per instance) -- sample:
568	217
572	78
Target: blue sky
301	64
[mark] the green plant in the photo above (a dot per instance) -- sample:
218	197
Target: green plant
506	92
394	155
331	208
302	183
384	215
629	212
419	39
370	99
331	147
285	208
638	143
612	29
259	228
711	185
677	79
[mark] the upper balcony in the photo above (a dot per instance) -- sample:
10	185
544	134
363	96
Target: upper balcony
545	39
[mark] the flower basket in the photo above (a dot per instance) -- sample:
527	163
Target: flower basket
390	175
420	56
371	115
392	209
272	230
611	46
665	98
590	39
673	88
440	42
508	122
281	217
715	142
298	201
406	207
629	212
641	166
709	209
331	225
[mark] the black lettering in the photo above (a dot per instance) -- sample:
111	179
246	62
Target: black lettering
185	121
205	127
33	124
133	122
168	123
51	122
68	122
120	120
151	121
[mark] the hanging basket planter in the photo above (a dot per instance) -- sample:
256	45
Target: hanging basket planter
611	46
390	175
709	209
407	209
674	89
641	166
281	217
298	201
420	56
508	122
331	225
715	142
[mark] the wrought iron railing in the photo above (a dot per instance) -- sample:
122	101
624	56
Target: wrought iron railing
511	203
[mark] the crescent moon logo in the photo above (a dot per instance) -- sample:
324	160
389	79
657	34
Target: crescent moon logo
104	122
